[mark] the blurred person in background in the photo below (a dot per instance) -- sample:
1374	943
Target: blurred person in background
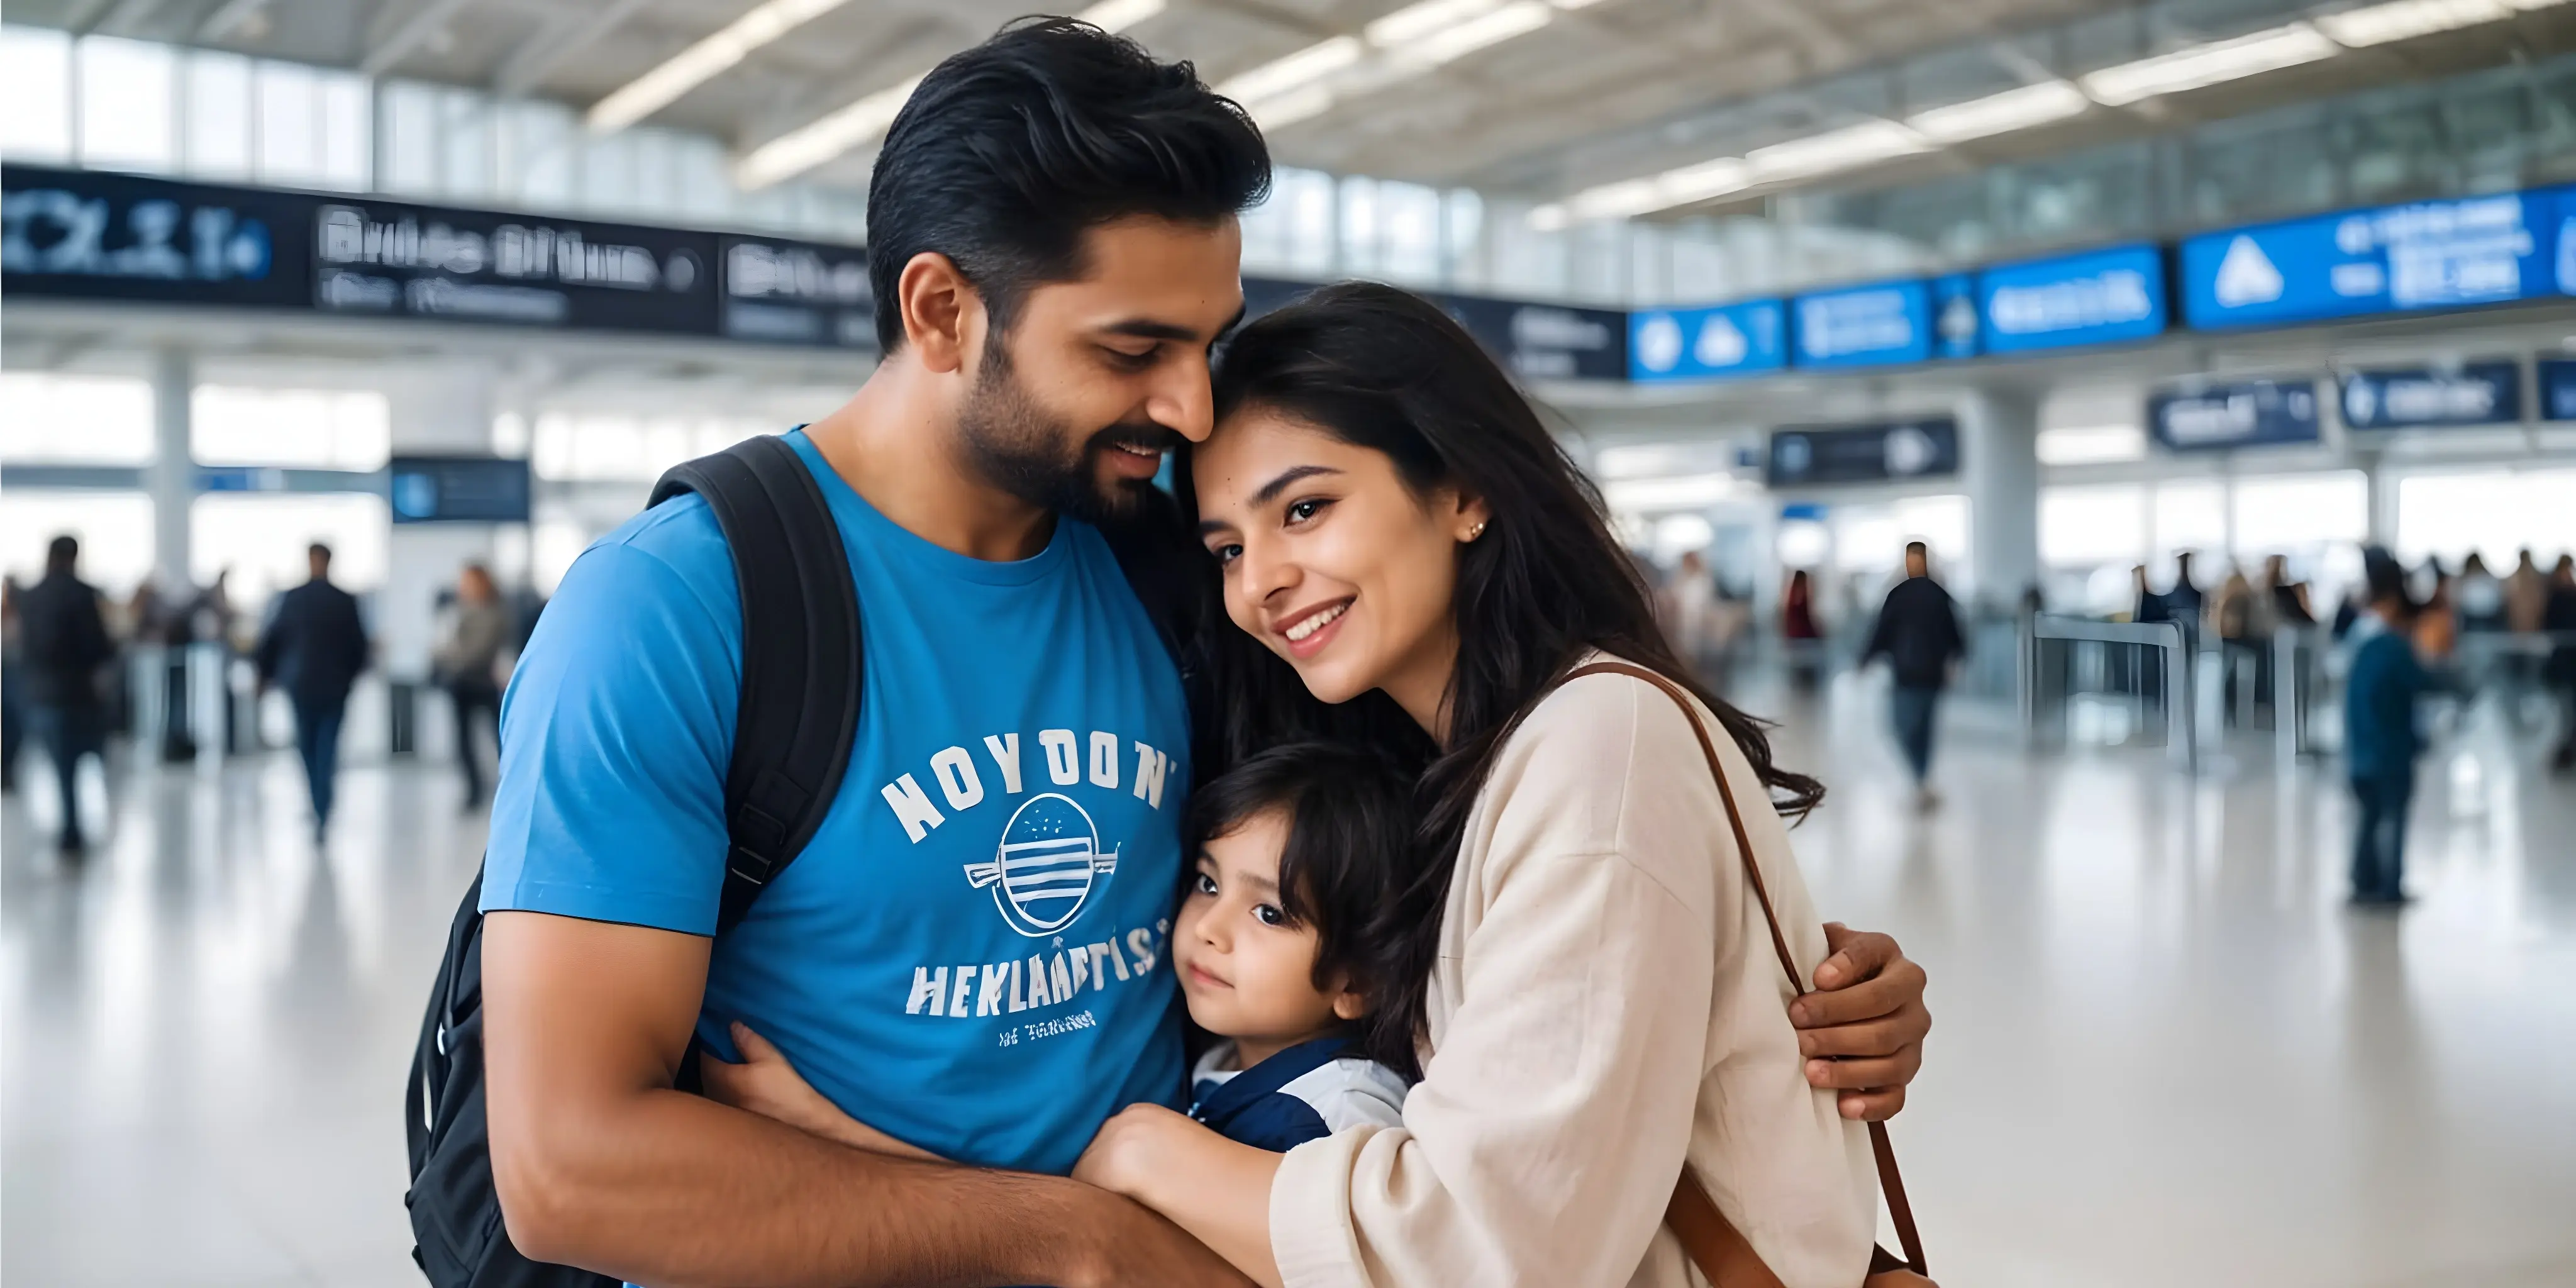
2382	735
2150	605
1689	603
2558	617
13	682
1800	631
2526	594
1918	632
2290	606
2478	596
63	643
314	648
466	663
2242	622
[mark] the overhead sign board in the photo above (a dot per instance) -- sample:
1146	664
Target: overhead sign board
795	292
2557	381
1890	322
2245	413
396	259
2425	255
2101	297
1705	344
2475	393
457	489
1807	454
74	234
1536	341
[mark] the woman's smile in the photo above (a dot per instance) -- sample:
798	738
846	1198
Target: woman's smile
1308	630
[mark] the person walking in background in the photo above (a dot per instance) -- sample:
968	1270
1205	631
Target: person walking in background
465	663
2290	606
2479	596
314	649
2526	595
1799	631
2558	617
63	640
13	685
2381	734
1918	632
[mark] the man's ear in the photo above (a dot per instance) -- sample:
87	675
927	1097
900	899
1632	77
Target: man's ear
943	314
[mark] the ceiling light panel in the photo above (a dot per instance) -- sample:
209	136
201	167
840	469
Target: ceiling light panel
2211	64
1415	21
703	61
1294	72
2014	109
2380	24
1451	43
1843	149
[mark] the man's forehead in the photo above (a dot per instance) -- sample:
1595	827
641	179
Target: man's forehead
1159	271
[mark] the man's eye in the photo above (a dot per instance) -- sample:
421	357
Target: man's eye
1204	884
1269	915
1134	360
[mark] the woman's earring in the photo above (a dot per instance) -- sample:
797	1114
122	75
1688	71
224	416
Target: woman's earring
1477	531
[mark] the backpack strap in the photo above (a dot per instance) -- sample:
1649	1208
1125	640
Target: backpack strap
801	655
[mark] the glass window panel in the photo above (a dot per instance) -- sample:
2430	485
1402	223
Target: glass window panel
2190	514
2084	527
409	149
128	104
704	177
1358	249
2298	514
114	530
362	430
348	128
553	547
537	144
259	538
84	420
1462	238
654	173
608	175
550	453
1408	232
35	94
290	125
465	144
218	118
2493	512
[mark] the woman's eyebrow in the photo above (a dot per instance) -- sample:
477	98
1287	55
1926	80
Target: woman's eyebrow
1270	491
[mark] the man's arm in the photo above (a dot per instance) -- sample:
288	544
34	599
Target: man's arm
600	1164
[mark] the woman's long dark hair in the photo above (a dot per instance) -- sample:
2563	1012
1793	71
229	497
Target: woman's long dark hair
1382	369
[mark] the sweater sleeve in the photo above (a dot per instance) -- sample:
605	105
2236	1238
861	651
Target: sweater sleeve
1541	1145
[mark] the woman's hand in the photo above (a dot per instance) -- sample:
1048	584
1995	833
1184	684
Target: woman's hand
1216	1189
767	1085
1862	1029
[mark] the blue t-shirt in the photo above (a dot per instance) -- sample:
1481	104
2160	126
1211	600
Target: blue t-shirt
970	954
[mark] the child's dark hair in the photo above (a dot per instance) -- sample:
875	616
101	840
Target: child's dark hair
1349	852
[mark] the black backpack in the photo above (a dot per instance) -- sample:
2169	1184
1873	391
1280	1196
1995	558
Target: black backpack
801	671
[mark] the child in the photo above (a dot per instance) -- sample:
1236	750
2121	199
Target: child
1295	852
2381	739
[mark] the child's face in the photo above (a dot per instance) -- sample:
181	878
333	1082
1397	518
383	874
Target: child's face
1248	974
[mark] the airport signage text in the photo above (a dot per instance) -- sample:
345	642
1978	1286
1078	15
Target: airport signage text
2103	297
1536	341
1808	454
457	489
2424	255
1890	322
2247	413
2557	388
1711	343
2476	393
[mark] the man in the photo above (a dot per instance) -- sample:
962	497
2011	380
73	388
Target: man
1054	248
64	643
477	630
314	648
1918	632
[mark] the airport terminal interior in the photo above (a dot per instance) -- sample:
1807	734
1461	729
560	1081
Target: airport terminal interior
2180	334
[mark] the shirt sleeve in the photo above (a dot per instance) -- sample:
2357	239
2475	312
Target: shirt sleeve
615	736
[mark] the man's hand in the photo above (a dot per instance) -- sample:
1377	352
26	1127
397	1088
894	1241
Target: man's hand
767	1085
1862	1029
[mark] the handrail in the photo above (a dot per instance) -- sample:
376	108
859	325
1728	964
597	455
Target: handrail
2182	742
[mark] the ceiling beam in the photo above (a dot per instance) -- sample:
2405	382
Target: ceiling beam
128	15
409	35
547	50
229	17
1823	42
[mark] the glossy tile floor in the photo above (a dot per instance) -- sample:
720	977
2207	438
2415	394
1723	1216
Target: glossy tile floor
2166	1053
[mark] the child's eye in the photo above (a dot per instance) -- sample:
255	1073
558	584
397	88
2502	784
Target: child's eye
1268	915
1203	884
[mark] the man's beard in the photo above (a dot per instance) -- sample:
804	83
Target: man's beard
1016	446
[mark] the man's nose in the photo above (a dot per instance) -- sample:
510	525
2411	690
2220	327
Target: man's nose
1183	402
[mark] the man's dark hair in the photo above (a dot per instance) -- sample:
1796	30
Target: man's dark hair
62	553
1349	851
1008	152
1918	548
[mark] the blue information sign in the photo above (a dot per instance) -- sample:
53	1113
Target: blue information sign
2103	297
2557	388
1802	454
2245	413
1956	328
2428	255
457	489
1864	326
2476	393
1704	344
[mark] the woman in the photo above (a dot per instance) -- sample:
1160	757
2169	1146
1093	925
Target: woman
1576	956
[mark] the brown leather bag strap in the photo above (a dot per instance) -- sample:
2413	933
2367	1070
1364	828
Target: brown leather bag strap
1720	1251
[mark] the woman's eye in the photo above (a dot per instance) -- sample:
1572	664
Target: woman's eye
1302	511
1268	915
1226	554
1204	884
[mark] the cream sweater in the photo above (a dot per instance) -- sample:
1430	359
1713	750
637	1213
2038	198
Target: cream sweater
1606	996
